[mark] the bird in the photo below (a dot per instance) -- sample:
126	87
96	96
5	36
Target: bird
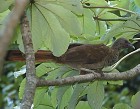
88	56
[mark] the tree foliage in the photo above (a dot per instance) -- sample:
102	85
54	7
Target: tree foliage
54	25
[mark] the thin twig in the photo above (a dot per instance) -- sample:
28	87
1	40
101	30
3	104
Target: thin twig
118	19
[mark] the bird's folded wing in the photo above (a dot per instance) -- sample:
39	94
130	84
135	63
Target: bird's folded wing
86	54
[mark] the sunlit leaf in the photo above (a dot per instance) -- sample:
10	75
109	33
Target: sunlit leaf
66	18
72	5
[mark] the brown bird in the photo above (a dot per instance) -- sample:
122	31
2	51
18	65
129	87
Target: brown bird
94	57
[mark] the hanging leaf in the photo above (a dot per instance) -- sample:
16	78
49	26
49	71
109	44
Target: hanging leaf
95	94
66	18
57	39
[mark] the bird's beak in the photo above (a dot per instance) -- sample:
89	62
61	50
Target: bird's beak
131	46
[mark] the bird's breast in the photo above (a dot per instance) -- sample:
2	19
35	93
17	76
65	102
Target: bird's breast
111	59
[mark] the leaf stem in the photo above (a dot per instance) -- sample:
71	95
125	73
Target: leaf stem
107	7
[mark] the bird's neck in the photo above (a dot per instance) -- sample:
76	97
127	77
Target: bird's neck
117	48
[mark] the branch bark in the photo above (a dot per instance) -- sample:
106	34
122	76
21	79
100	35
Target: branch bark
91	77
7	32
31	80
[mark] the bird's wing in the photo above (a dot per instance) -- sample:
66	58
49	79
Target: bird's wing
86	54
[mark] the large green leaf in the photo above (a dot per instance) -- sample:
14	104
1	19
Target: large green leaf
73	5
36	28
125	29
57	39
122	106
95	94
45	68
66	18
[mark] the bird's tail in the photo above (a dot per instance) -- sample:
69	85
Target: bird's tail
40	56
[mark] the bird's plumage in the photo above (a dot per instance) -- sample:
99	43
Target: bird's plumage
80	55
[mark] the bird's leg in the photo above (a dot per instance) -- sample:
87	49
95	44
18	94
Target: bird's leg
100	72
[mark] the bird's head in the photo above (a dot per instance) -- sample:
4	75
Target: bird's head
122	43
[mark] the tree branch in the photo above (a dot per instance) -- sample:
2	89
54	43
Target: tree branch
91	77
31	80
108	7
7	32
118	19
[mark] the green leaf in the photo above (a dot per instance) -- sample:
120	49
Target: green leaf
121	3
22	88
45	68
101	28
63	96
36	28
95	94
72	5
96	2
66	18
125	29
135	100
137	2
40	96
54	97
120	82
78	89
57	39
108	15
88	23
4	4
83	105
122	106
44	107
